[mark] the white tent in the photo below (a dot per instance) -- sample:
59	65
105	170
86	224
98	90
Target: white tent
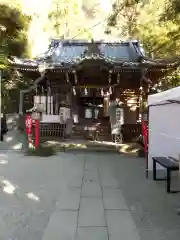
164	124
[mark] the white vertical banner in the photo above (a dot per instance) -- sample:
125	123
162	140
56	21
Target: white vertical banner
50	105
43	103
36	101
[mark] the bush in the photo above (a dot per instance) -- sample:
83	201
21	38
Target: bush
41	151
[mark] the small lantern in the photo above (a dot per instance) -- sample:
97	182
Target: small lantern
74	91
75	77
85	91
102	92
67	77
118	77
110	75
110	90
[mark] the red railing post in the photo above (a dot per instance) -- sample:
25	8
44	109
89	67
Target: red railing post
36	133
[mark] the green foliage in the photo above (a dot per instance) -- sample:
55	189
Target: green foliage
65	20
41	151
172	10
13	28
13	42
172	14
124	17
172	80
155	23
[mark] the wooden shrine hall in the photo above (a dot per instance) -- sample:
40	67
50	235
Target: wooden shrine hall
76	82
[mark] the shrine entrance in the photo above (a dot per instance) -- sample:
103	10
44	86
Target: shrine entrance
91	108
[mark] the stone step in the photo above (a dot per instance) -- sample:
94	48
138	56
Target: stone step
130	149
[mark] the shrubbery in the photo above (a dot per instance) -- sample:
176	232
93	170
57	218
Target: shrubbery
41	151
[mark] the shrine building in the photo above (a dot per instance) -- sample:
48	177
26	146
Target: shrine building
76	82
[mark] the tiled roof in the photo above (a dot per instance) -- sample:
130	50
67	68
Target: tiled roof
67	53
75	51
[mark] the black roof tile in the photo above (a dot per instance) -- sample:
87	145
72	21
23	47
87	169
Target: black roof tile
72	51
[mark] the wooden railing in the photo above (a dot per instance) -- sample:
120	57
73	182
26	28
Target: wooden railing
46	130
52	130
55	130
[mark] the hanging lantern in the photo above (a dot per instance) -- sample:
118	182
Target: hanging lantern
42	90
102	92
49	90
86	91
67	77
75	77
110	90
110	73
74	91
118	77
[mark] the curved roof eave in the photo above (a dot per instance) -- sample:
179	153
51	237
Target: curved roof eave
160	63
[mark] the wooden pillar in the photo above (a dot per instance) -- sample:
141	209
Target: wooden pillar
106	105
46	94
57	103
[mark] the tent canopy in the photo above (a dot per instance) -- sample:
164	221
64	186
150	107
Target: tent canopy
163	97
164	130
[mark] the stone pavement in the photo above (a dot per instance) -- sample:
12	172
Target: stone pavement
77	196
91	209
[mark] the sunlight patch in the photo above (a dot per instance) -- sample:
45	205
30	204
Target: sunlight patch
124	148
9	187
3	155
10	120
8	139
32	196
3	162
17	146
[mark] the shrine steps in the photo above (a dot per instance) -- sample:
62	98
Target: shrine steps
103	130
70	145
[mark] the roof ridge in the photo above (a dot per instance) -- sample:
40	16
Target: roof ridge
84	41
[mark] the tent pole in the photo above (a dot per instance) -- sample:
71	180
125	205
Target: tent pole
147	171
141	113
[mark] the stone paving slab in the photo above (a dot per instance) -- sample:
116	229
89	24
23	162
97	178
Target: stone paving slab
153	211
91	175
91	190
121	226
114	199
91	213
152	234
92	233
69	199
62	226
109	182
91	164
75	182
4	230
